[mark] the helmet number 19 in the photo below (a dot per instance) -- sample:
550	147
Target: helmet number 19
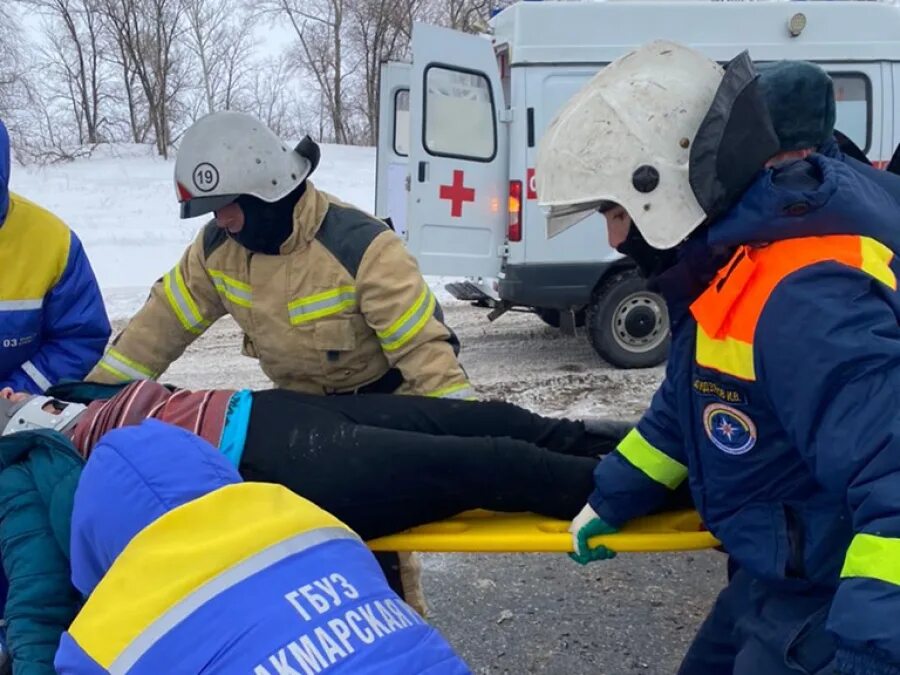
206	177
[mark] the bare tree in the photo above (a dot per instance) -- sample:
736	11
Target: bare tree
147	34
220	37
320	29
469	16
268	99
14	91
130	118
380	30
73	60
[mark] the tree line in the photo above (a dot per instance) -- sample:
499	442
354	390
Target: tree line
141	71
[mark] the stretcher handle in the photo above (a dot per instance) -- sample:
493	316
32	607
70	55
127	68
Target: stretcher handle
490	532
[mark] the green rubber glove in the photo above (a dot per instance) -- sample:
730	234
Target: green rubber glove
588	524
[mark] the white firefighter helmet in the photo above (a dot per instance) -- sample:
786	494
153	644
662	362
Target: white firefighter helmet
228	154
626	138
664	132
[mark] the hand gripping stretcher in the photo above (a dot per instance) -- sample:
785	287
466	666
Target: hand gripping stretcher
491	532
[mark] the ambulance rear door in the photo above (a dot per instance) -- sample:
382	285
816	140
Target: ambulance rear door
459	197
392	164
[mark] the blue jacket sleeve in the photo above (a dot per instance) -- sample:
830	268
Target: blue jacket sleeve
75	329
71	659
648	464
827	348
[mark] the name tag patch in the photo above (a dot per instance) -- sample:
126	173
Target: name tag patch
710	388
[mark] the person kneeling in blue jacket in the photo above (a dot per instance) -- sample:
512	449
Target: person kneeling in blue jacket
188	569
780	272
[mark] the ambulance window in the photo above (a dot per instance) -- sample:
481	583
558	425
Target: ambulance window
505	73
852	93
459	114
401	122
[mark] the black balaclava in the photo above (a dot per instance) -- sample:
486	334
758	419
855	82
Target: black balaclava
650	261
267	225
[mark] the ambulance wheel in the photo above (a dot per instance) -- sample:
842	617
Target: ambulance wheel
551	317
628	326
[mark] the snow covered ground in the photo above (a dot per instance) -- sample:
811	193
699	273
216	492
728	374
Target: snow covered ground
121	203
504	613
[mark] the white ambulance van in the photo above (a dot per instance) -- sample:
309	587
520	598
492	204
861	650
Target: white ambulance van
460	125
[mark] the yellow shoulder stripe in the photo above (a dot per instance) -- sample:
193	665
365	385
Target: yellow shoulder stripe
34	250
727	355
183	549
876	261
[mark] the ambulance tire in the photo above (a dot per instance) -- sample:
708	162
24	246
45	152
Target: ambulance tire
628	326
551	317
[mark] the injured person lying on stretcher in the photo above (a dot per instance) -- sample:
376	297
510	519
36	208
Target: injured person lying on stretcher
379	463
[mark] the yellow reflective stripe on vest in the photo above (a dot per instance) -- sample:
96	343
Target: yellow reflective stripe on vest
873	557
182	303
231	289
184	550
218	585
410	324
876	261
316	306
455	391
727	355
123	368
653	462
728	311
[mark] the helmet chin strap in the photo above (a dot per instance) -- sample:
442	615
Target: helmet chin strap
31	416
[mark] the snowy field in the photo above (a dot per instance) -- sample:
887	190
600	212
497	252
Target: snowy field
122	204
504	613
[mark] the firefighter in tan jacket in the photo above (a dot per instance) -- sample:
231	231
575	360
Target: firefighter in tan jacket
327	296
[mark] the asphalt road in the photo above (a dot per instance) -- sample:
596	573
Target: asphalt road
545	614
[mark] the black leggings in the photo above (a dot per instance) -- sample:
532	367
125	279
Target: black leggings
384	463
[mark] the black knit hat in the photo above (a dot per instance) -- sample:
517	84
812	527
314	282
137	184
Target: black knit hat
800	96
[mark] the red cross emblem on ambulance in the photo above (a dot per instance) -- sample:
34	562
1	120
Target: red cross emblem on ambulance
457	193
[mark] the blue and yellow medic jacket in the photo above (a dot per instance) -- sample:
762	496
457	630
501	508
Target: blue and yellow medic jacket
190	570
781	402
53	325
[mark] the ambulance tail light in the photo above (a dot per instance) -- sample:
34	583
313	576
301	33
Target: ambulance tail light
514	230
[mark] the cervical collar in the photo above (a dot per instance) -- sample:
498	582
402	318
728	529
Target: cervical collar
30	415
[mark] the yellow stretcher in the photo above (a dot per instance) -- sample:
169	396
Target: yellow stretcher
490	532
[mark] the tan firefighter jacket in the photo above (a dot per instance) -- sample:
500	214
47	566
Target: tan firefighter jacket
343	303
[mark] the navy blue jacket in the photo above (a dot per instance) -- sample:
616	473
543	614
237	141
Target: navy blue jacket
890	182
780	402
